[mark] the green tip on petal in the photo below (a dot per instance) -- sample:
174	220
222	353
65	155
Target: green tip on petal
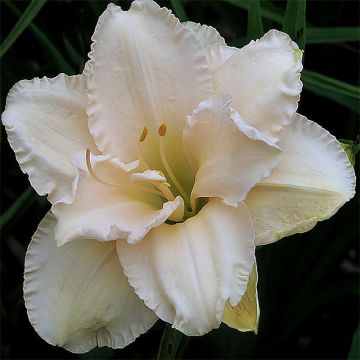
351	149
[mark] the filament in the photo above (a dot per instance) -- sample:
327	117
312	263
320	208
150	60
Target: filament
92	173
174	180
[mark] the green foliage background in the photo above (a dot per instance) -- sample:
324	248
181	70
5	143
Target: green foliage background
308	283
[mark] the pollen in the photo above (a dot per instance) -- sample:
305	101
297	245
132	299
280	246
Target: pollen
162	130
143	134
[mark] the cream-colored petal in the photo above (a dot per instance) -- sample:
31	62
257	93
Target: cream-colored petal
264	80
77	296
147	69
228	156
312	181
149	175
187	272
105	168
216	50
105	212
45	121
87	68
245	315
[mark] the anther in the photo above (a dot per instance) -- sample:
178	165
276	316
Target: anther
143	134
162	130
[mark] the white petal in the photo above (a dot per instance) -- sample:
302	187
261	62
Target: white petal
105	167
148	175
46	121
87	68
105	213
264	80
186	272
216	50
147	69
245	315
312	181
77	296
228	156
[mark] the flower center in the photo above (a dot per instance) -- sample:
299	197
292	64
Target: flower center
164	178
175	186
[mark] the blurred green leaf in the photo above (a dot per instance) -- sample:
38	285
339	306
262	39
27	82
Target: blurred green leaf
255	26
99	353
179	10
332	35
355	346
268	10
52	50
170	343
272	12
314	35
294	21
31	11
19	207
73	54
336	90
351	148
298	313
97	7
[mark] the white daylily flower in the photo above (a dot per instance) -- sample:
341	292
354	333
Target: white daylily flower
166	162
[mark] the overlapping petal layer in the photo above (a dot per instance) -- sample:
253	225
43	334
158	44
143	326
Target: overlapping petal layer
264	80
77	296
186	272
117	208
45	121
216	50
147	69
312	181
245	315
227	155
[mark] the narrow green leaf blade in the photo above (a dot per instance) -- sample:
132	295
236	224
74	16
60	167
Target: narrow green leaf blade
267	10
21	204
179	10
336	90
31	11
355	346
169	344
294	21
255	27
314	35
55	54
332	35
100	353
73	53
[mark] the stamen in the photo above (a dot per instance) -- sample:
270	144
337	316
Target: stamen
165	190
92	172
143	134
162	131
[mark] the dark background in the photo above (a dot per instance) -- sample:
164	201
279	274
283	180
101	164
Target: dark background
308	284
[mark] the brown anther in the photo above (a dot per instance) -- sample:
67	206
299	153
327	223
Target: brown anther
162	130
143	134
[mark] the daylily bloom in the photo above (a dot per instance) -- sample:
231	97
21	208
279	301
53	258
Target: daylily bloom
166	162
